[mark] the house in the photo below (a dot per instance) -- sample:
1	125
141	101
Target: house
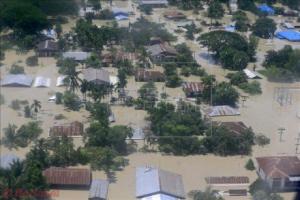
235	127
109	58
47	48
174	15
223	110
153	183
18	80
98	189
120	14
142	75
192	89
279	172
74	129
233	5
137	134
161	52
76	55
153	3
97	76
68	177
7	159
251	74
49	34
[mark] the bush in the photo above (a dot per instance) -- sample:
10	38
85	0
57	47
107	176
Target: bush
16	69
61	19
59	98
262	140
258	185
237	78
15	104
71	101
105	15
251	88
32	61
27	112
59	117
250	165
146	9
2	100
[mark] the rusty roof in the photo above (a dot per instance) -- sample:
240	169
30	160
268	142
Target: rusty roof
193	87
146	75
235	127
70	129
279	166
227	180
67	176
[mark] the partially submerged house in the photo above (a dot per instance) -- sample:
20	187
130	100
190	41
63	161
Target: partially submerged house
98	189
68	177
47	48
137	134
174	15
120	14
153	183
153	3
74	129
223	110
97	76
77	55
234	127
161	52
280	172
143	75
251	74
192	89
18	80
227	180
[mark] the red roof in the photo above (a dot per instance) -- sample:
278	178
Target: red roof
279	166
67	176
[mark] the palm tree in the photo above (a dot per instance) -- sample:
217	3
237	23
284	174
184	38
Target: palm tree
84	87
10	137
36	106
73	80
208	194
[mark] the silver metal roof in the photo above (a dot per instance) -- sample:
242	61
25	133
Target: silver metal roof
77	55
17	80
153	2
151	181
7	160
98	189
91	74
137	134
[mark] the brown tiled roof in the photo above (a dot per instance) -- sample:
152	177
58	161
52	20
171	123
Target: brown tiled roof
67	176
145	75
227	180
279	166
71	129
235	127
193	87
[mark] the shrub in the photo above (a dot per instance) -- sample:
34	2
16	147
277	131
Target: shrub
32	61
251	88
15	104
16	69
250	165
237	78
2	100
71	101
59	117
59	98
61	19
27	112
262	140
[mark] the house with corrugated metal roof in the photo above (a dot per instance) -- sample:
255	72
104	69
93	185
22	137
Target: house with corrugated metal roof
153	183
98	190
97	76
47	48
16	80
76	55
153	3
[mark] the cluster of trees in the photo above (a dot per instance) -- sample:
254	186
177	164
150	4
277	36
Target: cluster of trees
187	4
240	79
183	131
15	137
231	49
147	96
241	20
264	27
208	194
260	190
283	65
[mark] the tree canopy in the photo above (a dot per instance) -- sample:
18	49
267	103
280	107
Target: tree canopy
264	27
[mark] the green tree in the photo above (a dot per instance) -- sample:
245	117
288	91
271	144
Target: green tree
148	94
225	94
215	10
208	194
71	101
10	136
36	106
264	28
250	165
39	153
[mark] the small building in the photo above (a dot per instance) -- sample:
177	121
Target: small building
153	183
41	81
235	127
227	180
142	75
98	190
192	89
47	48
153	3
68	177
7	160
76	55
161	52
251	74
279	172
97	76
49	34
74	129
174	15
137	134
16	80
223	110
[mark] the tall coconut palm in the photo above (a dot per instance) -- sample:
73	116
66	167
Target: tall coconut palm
36	106
72	77
84	87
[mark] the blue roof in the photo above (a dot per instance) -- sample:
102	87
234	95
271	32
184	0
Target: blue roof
266	9
121	17
289	35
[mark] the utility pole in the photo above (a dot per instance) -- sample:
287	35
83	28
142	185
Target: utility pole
297	143
280	132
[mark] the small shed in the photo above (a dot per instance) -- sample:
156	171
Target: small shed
142	75
98	189
68	177
19	80
74	129
41	81
192	89
77	55
251	74
47	48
